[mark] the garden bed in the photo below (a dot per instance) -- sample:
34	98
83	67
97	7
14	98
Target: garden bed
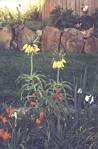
48	113
14	63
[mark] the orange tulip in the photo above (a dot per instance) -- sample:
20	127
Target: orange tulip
41	115
10	112
3	119
1	132
38	122
6	135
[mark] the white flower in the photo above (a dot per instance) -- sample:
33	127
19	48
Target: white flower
85	8
92	100
15	115
89	99
79	91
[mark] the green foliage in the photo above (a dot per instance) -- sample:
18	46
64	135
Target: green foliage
95	16
30	18
19	64
6	17
31	87
18	139
86	21
33	24
66	18
63	122
95	22
63	18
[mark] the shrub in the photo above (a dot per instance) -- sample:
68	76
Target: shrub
95	22
33	24
63	18
86	21
95	18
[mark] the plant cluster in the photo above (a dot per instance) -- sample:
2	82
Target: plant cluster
56	111
7	17
66	18
63	18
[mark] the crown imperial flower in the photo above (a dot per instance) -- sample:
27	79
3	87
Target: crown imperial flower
58	64
30	49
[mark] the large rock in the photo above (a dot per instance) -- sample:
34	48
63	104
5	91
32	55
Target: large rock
5	37
50	38
72	40
23	34
91	45
88	33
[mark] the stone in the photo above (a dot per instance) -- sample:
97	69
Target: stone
39	33
5	37
38	37
88	33
50	38
23	35
96	41
72	40
91	45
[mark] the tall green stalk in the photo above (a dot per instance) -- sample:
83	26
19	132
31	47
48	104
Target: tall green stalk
31	65
58	76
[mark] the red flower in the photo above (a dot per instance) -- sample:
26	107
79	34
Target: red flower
3	119
56	95
1	132
38	122
41	115
4	134
10	112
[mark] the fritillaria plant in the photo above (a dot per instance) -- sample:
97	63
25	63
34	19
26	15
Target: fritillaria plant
31	49
32	83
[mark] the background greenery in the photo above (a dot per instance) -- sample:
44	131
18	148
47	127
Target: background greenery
13	63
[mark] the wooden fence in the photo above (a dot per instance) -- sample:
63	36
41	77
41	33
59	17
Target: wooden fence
75	5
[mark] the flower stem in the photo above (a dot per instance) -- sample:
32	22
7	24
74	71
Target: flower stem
58	75
31	63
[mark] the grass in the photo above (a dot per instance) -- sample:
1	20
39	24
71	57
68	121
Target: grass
14	63
34	25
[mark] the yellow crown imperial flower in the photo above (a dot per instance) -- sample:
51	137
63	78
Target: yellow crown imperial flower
32	49
63	60
58	64
25	46
28	49
54	66
35	46
37	49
